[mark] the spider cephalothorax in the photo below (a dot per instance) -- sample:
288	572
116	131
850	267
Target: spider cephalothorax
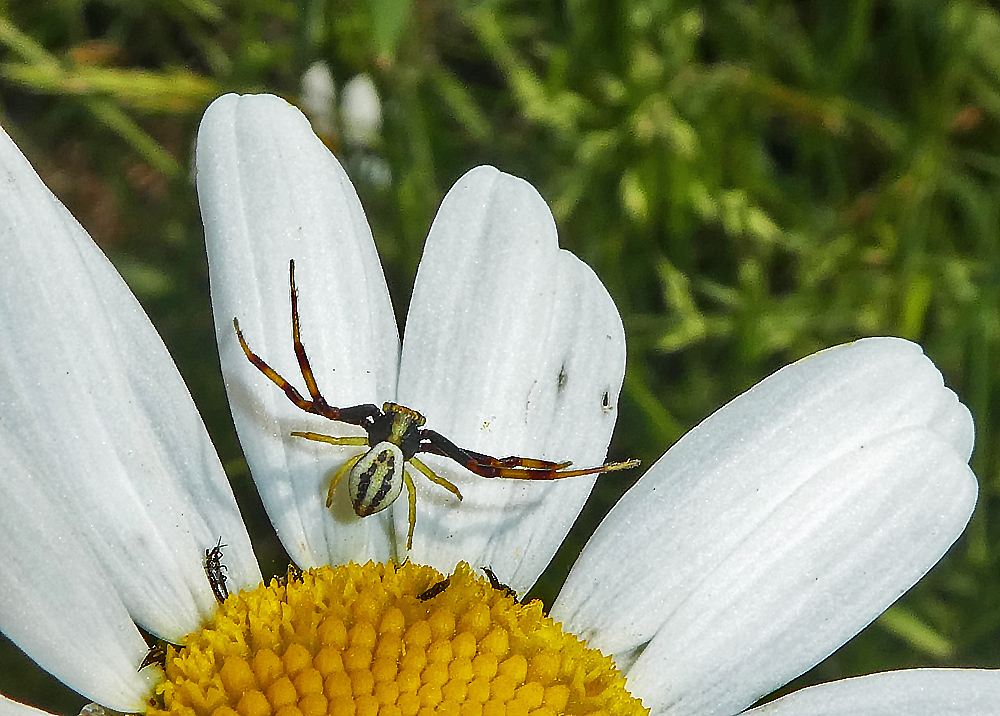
395	434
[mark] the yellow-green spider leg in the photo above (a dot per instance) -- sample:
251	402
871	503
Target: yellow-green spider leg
343	470
320	438
435	478
411	498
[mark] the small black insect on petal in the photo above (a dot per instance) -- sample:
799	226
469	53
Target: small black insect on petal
562	379
215	571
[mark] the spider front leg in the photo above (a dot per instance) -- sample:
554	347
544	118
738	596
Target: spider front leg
271	374
513	467
356	415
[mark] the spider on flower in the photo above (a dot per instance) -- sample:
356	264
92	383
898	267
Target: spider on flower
395	434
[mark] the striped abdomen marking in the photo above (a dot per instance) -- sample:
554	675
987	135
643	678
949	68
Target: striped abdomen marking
376	479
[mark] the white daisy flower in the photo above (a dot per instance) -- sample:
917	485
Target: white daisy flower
758	544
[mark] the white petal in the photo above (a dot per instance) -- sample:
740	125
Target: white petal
778	528
934	692
512	347
269	192
56	603
92	397
16	708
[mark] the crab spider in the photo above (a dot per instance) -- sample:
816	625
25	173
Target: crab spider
395	434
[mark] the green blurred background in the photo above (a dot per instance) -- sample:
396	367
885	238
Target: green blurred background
753	182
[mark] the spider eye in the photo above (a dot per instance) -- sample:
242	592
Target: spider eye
376	479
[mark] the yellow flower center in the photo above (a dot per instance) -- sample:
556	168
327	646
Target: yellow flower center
386	639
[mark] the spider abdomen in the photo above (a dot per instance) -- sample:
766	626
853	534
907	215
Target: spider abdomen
376	479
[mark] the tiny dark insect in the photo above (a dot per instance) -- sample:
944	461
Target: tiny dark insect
434	590
215	571
395	434
497	584
292	574
157	654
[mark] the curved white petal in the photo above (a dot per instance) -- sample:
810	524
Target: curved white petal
91	396
778	528
56	603
917	692
270	192
8	707
512	347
